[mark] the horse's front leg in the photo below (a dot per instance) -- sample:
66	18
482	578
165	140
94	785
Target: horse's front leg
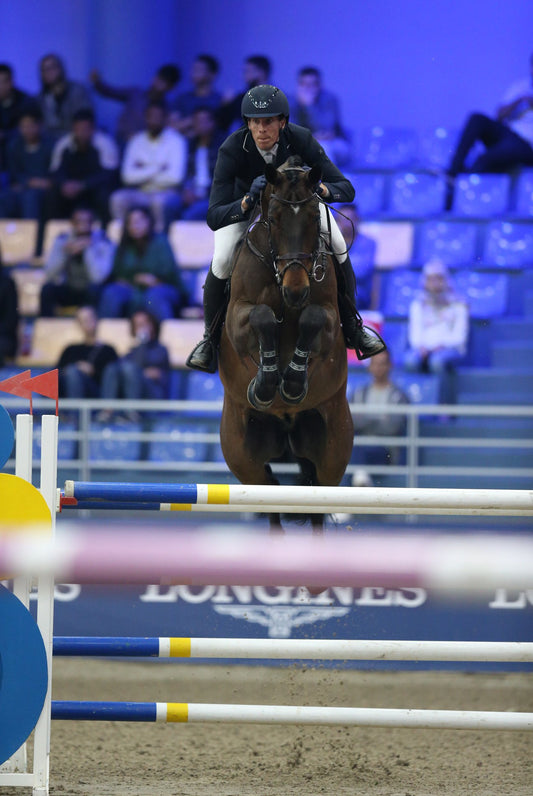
293	387
262	389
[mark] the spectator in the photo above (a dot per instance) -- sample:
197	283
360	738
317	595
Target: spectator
145	275
203	151
142	373
84	169
380	393
135	99
256	72
362	254
28	161
153	170
81	365
318	109
203	74
508	139
78	264
12	100
60	99
438	327
9	317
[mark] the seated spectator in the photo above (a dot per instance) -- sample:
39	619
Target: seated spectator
438	327
507	140
9	317
362	251
84	169
318	109
12	100
144	372
28	162
78	264
60	99
202	95
203	151
81	365
153	170
135	100
145	274
256	72
380	393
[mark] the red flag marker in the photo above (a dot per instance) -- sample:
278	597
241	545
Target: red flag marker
17	385
46	384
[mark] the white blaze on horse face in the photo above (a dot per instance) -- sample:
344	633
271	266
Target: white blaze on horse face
295	209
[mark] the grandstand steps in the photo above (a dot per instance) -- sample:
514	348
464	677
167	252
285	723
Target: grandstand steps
494	386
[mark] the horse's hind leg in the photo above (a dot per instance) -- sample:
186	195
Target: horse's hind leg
262	388
293	387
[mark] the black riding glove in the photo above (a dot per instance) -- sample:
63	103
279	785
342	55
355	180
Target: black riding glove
256	187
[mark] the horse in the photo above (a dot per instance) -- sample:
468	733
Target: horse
282	358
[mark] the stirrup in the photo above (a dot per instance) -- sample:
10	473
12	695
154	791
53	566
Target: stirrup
367	343
203	356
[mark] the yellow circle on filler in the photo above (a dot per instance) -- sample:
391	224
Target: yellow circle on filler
22	506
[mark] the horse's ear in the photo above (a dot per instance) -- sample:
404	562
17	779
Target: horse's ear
314	175
271	173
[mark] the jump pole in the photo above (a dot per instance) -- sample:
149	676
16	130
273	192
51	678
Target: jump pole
307	649
183	712
319	499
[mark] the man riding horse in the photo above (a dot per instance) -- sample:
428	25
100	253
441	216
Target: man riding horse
268	137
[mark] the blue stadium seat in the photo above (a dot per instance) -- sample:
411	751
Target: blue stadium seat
175	390
437	146
369	191
203	386
395	335
486	293
387	147
524	193
481	195
179	444
509	245
453	242
421	388
110	448
398	288
416	194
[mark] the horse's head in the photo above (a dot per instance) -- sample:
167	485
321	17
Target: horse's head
292	210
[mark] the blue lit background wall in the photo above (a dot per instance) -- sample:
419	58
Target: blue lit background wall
413	63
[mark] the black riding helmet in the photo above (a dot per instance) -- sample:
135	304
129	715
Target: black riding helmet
264	101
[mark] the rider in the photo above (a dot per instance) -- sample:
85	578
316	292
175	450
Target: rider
268	137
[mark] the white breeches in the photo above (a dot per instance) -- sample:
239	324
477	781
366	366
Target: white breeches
226	238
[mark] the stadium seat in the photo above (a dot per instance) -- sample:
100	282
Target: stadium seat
192	243
369	191
29	282
485	293
395	335
453	242
179	336
203	386
421	388
394	241
416	194
52	229
18	239
481	195
524	193
436	147
397	291
108	446
180	442
509	245
49	338
386	147
116	332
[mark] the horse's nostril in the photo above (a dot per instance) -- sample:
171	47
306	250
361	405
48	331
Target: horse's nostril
295	298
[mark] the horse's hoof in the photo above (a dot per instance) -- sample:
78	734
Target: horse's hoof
293	399
254	401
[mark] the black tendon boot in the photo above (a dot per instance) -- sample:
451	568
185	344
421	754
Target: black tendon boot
204	354
365	341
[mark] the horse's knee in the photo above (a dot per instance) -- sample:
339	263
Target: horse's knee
312	320
262	318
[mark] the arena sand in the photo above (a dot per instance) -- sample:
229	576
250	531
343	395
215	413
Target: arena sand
128	759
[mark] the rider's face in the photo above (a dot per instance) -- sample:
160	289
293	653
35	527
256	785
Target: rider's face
265	131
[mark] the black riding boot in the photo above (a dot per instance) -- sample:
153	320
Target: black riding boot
365	341
204	354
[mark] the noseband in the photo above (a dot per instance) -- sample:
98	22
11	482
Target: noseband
316	272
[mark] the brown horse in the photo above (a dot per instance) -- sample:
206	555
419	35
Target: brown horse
282	353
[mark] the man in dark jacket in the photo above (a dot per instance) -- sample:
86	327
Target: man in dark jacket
267	137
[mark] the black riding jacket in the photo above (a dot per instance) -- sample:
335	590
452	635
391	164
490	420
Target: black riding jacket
239	162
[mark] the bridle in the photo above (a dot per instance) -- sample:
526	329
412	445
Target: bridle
317	258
